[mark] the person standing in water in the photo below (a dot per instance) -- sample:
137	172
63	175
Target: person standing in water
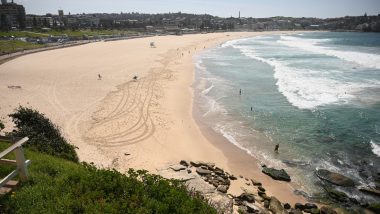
240	92
276	148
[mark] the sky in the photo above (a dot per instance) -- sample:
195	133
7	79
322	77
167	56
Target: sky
222	8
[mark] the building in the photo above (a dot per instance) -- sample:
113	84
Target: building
12	15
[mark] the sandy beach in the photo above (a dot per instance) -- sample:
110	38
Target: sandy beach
118	122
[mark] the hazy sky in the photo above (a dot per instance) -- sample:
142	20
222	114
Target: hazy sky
223	8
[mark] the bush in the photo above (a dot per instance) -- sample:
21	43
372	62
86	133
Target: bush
43	134
59	186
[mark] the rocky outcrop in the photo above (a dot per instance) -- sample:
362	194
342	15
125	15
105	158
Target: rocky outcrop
335	178
202	171
327	210
276	174
370	191
276	207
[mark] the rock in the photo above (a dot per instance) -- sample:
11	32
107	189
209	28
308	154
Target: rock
184	163
261	188
287	206
201	163
299	206
198	185
222	188
266	204
370	191
276	207
310	206
196	163
327	210
189	171
201	171
247	197
220	202
233	177
295	211
276	174
177	167
375	207
127	154
250	207
314	211
336	195
180	175
263	195
335	178
256	183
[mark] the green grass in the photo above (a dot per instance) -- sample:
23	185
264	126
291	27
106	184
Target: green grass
60	186
10	46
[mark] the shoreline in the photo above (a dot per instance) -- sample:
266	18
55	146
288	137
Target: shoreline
120	123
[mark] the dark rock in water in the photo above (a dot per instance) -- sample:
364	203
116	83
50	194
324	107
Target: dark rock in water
327	139
375	207
327	210
266	204
300	192
315	211
370	191
335	178
262	189
310	206
233	177
276	207
203	171
247	197
184	163
295	211
336	195
256	183
276	174
299	206
222	188
287	206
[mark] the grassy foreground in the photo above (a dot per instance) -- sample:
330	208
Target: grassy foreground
11	46
60	186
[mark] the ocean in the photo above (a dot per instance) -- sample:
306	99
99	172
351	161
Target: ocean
316	94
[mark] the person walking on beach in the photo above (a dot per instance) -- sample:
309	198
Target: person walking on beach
99	77
276	148
240	91
251	108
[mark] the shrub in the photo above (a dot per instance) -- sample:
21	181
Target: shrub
43	134
59	186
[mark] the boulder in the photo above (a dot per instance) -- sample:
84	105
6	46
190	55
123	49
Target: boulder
276	174
295	211
261	188
253	208
266	204
327	210
287	206
276	207
310	206
177	167
184	163
336	195
256	183
220	202
370	191
233	177
247	197
222	188
314	211
299	206
203	172
335	178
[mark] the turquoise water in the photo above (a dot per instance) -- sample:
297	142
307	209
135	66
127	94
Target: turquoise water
316	94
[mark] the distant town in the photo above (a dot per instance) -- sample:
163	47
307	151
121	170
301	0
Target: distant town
64	27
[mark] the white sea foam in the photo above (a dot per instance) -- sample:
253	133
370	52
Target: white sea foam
313	45
375	148
207	90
